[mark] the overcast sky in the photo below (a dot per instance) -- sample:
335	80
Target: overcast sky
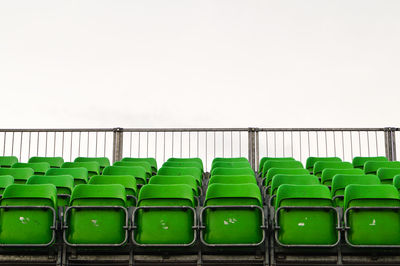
216	63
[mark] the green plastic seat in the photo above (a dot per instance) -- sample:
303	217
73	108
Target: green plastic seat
230	165
38	168
151	161
136	171
225	223
103	161
20	174
93	168
145	165
396	182
158	222
371	167
30	225
372	227
230	159
386	175
232	171
328	174
128	181
265	159
358	162
193	171
177	179
306	224
80	174
184	164
90	224
312	160
280	164
55	162
288	171
340	181
5	181
232	179
8	161
320	166
186	160
63	183
281	179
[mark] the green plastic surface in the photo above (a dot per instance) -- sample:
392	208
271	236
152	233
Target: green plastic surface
281	179
171	180
145	165
217	191
312	160
373	227
358	162
386	175
193	171
55	162
80	174
20	174
5	181
186	160
27	226
8	161
38	168
92	167
340	181
231	165
280	164
328	174
184	164
232	171
289	171
152	162
232	179
264	159
396	182
371	167
138	172
103	161
320	166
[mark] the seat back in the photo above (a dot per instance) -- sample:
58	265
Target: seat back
358	161
386	175
287	171
93	168
193	171
328	174
280	164
183	164
176	179
146	166
138	172
231	165
340	181
63	183
312	160
396	182
38	168
102	161
55	162
232	171
151	161
8	161
186	160
282	179
5	181
264	159
371	167
20	174
32	224
232	179
80	174
320	166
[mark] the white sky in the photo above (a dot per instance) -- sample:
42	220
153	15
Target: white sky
208	63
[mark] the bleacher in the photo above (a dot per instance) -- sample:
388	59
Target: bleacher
134	213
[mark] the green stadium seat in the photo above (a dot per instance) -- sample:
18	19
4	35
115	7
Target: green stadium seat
184	164
281	179
231	159
63	183
128	181
8	161
165	216
372	167
232	171
55	162
102	161
38	168
280	164
288	171
145	165
265	159
151	161
230	165
97	216
80	174
328	174
358	162
232	216
305	217
386	175
5	181
176	180
320	166
340	181
232	179
28	215
20	174
136	171
396	182
312	160
186	160
93	168
193	171
371	216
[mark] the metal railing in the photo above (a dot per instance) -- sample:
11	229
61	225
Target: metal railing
205	143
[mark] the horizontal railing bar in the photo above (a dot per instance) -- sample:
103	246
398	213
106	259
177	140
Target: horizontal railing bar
321	129
183	129
57	130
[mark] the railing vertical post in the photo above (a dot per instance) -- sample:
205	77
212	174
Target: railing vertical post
118	140
251	147
390	143
394	152
256	150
